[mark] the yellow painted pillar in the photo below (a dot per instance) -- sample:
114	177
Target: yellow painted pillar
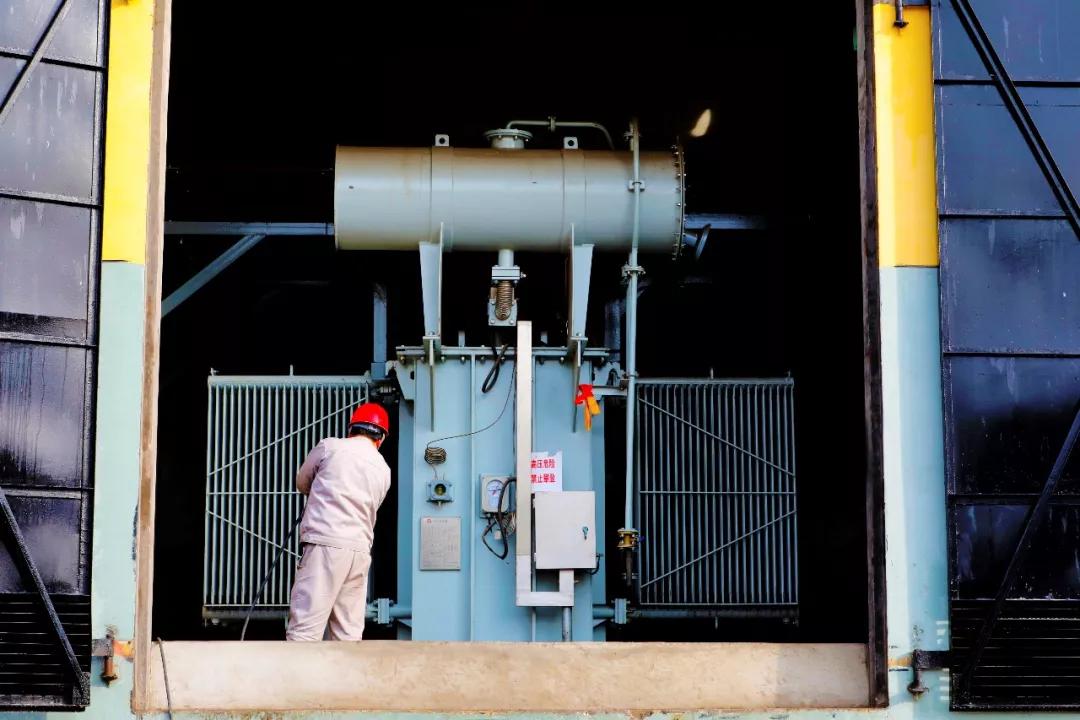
904	101
127	130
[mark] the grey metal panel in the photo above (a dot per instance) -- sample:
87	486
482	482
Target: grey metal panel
715	486
77	39
48	139
984	165
44	266
259	429
1010	286
1036	40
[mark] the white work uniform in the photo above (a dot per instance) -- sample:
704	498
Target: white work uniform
346	480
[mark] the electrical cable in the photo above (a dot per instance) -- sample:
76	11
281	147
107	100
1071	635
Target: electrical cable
505	545
273	566
493	374
165	674
505	520
435	455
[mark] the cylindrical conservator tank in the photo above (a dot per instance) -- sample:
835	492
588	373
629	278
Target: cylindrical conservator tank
489	198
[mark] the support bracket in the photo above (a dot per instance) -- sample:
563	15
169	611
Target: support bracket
581	258
208	273
431	288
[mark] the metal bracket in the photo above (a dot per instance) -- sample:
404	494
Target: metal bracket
431	285
378	331
628	270
900	22
382	611
581	258
105	648
926	660
431	289
621	615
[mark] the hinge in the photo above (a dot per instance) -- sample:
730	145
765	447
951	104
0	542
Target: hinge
926	660
106	648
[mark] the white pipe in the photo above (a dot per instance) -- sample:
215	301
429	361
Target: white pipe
552	123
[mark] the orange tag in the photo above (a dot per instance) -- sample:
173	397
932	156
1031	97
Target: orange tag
591	407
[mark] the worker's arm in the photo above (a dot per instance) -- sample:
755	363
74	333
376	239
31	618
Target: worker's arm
306	476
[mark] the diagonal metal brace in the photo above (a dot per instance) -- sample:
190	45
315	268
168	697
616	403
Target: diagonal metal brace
1016	107
39	51
208	273
1020	554
20	555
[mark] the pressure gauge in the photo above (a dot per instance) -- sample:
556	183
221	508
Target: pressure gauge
491	490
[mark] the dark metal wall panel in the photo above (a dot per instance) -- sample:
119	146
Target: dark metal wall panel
1010	319
51	158
45	268
987	167
1035	39
1006	418
1010	286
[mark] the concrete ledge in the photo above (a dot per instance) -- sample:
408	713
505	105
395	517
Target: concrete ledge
393	676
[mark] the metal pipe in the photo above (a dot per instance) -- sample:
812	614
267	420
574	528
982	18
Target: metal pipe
551	123
606	612
631	324
566	624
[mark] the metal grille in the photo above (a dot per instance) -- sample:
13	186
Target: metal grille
715	495
259	429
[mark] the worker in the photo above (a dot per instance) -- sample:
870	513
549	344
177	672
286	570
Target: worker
346	480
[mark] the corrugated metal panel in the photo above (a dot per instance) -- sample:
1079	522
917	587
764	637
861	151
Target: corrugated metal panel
716	495
259	431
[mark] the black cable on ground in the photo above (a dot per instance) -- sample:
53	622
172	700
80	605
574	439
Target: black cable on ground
165	674
273	566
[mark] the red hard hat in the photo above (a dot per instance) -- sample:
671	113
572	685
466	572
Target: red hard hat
371	414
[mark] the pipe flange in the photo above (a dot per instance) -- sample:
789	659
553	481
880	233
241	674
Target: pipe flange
680	179
508	138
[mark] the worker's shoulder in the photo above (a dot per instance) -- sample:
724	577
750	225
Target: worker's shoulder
357	448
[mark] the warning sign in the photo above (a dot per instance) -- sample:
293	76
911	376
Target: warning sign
546	472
